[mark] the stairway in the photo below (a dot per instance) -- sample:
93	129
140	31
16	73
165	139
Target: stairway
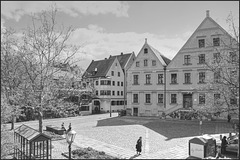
173	109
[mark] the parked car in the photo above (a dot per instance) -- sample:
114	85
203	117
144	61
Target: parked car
232	144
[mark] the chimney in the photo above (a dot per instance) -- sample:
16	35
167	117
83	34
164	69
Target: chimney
121	53
207	13
105	58
145	40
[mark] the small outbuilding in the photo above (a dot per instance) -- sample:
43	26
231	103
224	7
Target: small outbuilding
203	146
31	144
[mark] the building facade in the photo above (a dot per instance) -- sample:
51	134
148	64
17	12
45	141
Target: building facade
108	79
187	75
145	83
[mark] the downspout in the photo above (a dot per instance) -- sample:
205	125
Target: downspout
124	89
165	84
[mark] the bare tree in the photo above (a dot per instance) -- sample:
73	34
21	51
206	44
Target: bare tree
223	86
12	73
44	45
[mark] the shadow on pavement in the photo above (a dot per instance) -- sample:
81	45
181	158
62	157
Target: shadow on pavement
169	128
136	155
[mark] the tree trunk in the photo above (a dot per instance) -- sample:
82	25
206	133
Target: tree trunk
13	121
40	118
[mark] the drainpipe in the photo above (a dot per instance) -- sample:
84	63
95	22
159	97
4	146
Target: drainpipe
124	89
165	84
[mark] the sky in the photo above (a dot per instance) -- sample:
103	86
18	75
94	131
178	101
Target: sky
104	28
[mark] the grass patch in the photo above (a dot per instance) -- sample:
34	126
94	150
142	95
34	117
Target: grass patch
89	153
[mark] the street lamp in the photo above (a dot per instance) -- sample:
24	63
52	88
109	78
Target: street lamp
70	135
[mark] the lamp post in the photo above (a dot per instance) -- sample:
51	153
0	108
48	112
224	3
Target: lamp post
70	135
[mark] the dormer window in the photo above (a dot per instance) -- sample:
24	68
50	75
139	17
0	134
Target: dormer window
145	50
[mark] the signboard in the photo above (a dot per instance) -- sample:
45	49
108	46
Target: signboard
196	150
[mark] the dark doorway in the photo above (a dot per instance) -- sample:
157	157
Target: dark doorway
135	111
187	101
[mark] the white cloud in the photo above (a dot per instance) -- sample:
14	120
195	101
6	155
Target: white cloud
16	9
101	44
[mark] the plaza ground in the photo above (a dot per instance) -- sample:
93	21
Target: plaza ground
117	136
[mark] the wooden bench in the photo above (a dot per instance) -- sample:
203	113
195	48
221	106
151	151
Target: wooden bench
55	129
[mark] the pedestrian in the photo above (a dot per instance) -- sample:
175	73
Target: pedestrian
139	146
224	145
229	118
63	127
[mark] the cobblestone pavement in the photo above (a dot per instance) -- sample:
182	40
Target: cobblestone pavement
117	136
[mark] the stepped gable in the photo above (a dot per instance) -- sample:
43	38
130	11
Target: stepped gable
98	68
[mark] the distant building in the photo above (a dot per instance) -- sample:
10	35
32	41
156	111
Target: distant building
145	82
107	77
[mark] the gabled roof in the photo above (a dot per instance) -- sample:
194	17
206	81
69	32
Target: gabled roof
28	132
122	58
207	23
101	67
164	60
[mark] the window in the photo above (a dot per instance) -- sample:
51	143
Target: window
84	108
118	74
216	41
135	98
233	101
187	77
160	98
202	58
160	78
137	64
118	83
147	98
145	62
153	62
174	78
113	83
121	83
216	98
201	43
121	93
217	76
202	98
105	82
112	73
232	57
96	83
187	59
173	98
145	50
118	93
201	77
135	79
148	78
113	93
96	92
105	92
216	57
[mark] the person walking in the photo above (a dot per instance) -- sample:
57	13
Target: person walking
229	118
224	145
139	146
